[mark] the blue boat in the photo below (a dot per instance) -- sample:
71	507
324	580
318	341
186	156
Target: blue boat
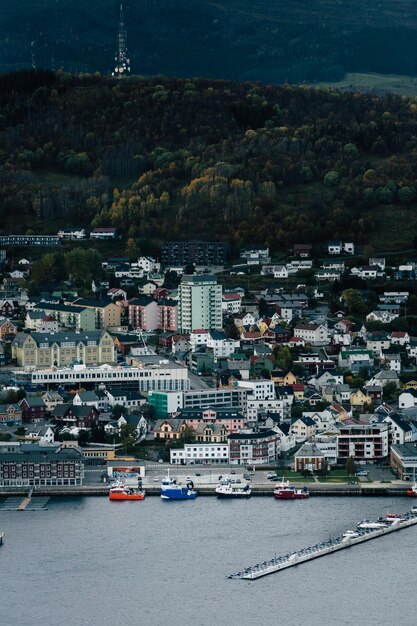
171	491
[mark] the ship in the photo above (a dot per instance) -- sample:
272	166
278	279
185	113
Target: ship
170	490
285	491
225	489
120	492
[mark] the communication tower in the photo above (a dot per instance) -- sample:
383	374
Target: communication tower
122	67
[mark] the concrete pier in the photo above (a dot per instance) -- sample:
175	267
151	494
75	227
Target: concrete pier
322	549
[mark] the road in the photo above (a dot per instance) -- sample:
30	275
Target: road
197	382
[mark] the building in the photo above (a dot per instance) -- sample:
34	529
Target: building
165	403
103	233
30	240
168	314
7	329
33	408
199	303
35	465
70	416
316	334
107	313
68	316
152	374
143	313
363	442
10	414
309	457
62	349
200	453
230	418
72	233
200	253
403	458
250	448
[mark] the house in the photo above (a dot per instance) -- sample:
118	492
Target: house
407	399
107	313
169	429
302	250
316	334
33	408
148	264
116	292
309	457
103	233
91	398
72	233
232	419
231	303
211	433
42	433
359	398
401	431
256	255
10	414
376	342
7	329
51	399
129	399
304	428
75	416
200	453
280	378
399	338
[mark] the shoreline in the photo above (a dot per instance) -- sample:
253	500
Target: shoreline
208	491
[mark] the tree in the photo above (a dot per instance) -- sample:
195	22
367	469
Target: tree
128	437
283	357
83	437
117	411
390	391
350	466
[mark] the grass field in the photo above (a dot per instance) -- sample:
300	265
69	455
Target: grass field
402	85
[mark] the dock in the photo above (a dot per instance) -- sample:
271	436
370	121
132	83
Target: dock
342	542
29	503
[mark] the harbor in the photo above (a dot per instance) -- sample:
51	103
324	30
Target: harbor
365	532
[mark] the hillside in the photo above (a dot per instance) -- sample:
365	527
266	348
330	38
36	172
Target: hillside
171	158
281	41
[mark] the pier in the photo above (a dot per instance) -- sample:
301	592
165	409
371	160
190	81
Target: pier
342	542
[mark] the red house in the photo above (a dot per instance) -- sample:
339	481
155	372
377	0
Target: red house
33	408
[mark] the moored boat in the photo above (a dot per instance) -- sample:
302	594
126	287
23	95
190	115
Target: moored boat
412	491
170	490
367	524
226	489
285	491
122	492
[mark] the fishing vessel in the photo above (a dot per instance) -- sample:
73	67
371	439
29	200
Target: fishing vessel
225	489
285	491
170	490
121	492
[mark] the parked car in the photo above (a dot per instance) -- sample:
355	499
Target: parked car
198	473
233	471
362	472
272	476
247	476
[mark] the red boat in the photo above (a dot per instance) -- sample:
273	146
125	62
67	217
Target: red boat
121	492
413	491
285	491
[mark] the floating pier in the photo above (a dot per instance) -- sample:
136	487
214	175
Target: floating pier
321	549
16	503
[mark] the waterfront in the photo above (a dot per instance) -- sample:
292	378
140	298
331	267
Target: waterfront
87	561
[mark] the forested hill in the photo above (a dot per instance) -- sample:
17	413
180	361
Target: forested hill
170	158
270	41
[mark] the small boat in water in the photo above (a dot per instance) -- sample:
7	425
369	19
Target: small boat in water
412	491
226	489
371	525
122	492
170	490
285	491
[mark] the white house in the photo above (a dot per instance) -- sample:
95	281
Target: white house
199	453
231	303
407	399
221	345
316	334
199	337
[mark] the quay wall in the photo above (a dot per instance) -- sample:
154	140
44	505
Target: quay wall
257	491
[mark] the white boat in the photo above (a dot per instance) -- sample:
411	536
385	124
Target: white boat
350	534
368	524
414	509
226	489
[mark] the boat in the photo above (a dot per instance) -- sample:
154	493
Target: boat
122	492
372	525
226	489
350	534
412	491
414	509
285	491
170	490
394	517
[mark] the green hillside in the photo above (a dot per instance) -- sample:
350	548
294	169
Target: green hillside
171	158
281	41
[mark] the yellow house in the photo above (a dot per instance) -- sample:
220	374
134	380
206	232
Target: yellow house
359	399
411	384
282	380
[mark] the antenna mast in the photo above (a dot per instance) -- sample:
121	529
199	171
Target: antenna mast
122	67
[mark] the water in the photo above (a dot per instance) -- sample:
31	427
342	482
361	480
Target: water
88	562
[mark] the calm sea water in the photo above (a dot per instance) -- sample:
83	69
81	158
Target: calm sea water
88	562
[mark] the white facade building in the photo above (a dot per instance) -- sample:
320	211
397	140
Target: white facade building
199	303
198	453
